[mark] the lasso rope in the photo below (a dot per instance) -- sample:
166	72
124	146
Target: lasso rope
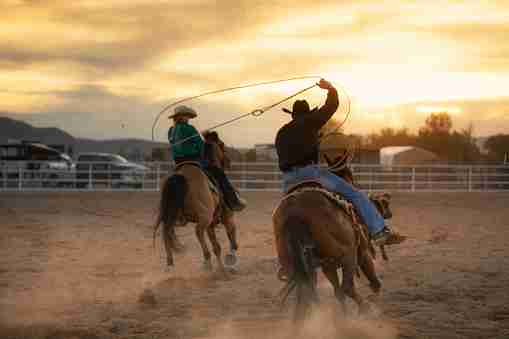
166	108
256	112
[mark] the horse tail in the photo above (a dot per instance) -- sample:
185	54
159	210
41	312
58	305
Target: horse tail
172	201
302	253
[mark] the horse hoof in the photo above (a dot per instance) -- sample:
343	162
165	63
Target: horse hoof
230	259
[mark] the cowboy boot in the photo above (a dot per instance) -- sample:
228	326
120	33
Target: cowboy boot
388	236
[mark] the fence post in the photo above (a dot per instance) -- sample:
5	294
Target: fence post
110	185
143	177
4	176
20	178
158	175
413	179
243	181
470	179
90	176
370	180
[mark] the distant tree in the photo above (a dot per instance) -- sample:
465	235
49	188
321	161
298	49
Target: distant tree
497	146
437	136
437	123
390	137
462	146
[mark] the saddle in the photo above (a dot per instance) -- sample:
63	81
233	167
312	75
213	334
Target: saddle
336	198
213	185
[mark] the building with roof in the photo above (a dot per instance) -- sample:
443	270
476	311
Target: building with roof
406	155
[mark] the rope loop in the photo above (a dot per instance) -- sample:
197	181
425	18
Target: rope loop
257	112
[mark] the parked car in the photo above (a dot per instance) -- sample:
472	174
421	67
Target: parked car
38	164
108	169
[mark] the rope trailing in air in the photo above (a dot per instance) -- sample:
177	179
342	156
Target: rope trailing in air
166	108
256	113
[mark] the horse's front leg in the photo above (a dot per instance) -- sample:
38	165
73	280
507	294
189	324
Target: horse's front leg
175	242
200	234
211	231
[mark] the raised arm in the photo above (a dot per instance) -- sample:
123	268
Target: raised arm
323	114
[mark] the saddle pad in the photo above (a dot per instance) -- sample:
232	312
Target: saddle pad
335	198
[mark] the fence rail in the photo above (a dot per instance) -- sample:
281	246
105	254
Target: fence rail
253	176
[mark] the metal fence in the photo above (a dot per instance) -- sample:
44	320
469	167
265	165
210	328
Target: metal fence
253	176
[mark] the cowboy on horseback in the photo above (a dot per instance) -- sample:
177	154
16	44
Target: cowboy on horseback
188	146
297	147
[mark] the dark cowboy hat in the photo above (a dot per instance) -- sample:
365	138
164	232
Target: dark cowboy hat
300	107
183	110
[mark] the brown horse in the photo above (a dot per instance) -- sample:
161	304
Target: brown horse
317	232
188	195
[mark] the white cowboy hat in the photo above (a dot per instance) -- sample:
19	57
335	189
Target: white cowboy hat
184	110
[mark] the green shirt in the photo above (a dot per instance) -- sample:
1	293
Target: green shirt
192	148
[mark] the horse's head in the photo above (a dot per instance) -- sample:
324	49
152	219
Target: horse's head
336	151
382	203
338	163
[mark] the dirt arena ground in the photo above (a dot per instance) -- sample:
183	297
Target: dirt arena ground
78	265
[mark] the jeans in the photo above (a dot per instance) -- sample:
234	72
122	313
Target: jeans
367	211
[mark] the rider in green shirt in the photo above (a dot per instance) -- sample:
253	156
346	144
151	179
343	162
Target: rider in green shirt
185	141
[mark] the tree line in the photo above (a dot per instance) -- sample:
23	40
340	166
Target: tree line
438	136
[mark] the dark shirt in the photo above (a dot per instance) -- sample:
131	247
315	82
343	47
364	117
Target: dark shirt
297	141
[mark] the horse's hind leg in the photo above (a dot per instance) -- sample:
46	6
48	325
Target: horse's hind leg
348	284
211	231
176	244
331	272
200	234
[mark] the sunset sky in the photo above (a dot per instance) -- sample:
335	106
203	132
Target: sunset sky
104	69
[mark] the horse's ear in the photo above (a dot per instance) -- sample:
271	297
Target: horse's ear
387	196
